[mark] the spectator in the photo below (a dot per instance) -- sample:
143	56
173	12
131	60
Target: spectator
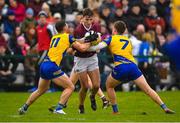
22	47
163	7
140	30
134	17
144	51
148	69
43	33
43	42
164	11
2	38
152	19
30	63
109	4
125	6
78	18
45	8
19	10
36	6
28	20
160	37
120	16
13	39
144	5
30	36
3	8
51	27
117	3
10	24
71	28
56	7
69	6
6	73
107	15
104	32
94	4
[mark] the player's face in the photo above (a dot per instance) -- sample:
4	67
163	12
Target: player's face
88	21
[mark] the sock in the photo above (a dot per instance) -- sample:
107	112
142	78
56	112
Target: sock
163	106
115	108
59	106
25	106
103	98
81	106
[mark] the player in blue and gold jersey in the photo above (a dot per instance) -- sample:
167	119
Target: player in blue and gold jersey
125	69
50	70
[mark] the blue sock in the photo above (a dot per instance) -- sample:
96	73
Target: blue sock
59	106
163	106
25	106
115	108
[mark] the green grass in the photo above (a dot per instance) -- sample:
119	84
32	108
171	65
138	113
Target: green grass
131	106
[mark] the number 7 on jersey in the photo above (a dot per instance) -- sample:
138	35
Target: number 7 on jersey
125	43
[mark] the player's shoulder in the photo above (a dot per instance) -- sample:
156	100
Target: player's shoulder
79	27
124	37
96	26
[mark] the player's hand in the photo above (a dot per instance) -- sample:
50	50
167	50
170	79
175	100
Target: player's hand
91	36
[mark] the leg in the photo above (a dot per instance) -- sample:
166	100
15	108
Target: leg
111	83
95	79
143	85
42	88
100	94
74	77
84	87
66	83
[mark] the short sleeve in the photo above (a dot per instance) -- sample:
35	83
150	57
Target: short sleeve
107	40
71	39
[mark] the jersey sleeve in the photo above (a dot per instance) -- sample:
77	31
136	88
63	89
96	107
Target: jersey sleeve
107	40
71	39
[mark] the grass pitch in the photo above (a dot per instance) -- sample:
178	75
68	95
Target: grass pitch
133	106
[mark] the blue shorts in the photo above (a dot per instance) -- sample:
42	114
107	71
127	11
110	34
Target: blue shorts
126	72
49	70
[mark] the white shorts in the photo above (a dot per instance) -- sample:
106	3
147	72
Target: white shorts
86	64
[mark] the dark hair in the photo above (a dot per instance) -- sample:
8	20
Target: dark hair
60	25
120	26
87	12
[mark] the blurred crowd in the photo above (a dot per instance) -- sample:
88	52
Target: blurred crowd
26	24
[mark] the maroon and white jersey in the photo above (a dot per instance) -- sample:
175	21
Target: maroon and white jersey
79	33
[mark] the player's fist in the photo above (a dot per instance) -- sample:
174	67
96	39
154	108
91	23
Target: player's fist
91	36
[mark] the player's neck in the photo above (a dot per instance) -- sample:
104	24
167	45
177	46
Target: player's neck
87	28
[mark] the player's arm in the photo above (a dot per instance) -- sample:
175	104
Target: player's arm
100	46
81	47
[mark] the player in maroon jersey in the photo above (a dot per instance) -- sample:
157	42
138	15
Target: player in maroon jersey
86	67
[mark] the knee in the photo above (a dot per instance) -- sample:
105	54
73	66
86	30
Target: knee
41	91
148	91
71	86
